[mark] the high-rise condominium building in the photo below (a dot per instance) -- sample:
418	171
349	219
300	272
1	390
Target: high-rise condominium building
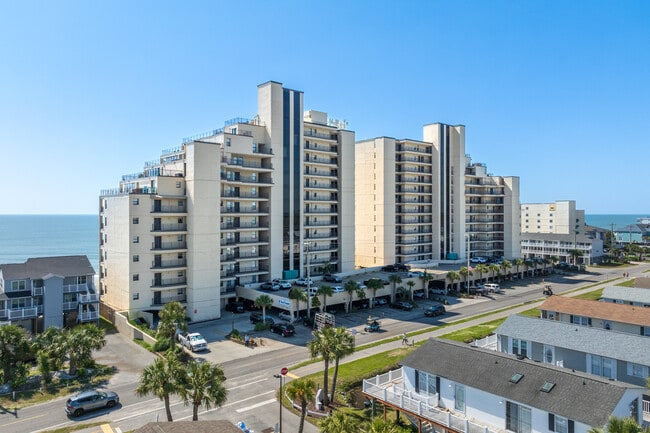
424	200
258	199
560	217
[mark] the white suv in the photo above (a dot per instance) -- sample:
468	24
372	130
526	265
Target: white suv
285	315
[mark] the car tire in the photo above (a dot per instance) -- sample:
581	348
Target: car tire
78	412
110	404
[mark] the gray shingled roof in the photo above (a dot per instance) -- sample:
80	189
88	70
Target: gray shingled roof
40	267
597	341
627	294
577	396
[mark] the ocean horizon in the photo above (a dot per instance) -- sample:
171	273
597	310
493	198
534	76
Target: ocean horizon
26	236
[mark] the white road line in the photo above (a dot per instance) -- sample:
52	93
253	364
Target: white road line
262	403
228	405
247	384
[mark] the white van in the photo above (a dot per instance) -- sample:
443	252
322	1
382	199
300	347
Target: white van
493	288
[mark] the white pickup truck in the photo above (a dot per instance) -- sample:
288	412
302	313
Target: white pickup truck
193	341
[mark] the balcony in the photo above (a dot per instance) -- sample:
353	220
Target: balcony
389	389
169	209
308	133
165	299
37	291
75	288
90	298
167	264
169	246
169	228
88	316
169	282
69	306
23	313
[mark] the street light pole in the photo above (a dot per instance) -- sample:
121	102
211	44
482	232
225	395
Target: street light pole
308	283
468	254
279	376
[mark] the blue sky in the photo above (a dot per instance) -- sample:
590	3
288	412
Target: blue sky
557	93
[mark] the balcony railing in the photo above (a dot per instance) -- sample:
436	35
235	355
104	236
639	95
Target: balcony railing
169	228
90	298
88	316
169	209
37	291
23	313
389	388
167	282
67	306
74	288
165	299
180	263
170	246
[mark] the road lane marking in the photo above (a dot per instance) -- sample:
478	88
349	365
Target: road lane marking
293	376
25	419
106	428
247	384
255	406
228	405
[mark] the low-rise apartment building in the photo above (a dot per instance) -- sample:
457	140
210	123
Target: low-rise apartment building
638	296
48	291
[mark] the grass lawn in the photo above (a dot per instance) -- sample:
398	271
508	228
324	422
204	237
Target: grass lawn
75	427
477	332
594	296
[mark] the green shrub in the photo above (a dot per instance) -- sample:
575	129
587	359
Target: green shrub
262	326
161	345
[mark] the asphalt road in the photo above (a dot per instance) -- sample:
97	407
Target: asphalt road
252	389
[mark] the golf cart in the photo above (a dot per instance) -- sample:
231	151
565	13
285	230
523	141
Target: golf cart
547	290
372	324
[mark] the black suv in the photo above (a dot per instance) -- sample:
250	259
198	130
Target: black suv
283	329
435	310
402	306
235	307
256	317
332	278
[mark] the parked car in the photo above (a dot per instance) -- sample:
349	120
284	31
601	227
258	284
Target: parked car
402	305
380	301
235	307
284	284
435	310
256	317
384	282
337	289
419	294
283	329
285	315
361	285
332	278
493	288
304	282
87	401
270	286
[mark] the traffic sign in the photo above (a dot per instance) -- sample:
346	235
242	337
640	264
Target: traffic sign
284	371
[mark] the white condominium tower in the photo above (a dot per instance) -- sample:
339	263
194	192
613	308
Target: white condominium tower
418	201
235	206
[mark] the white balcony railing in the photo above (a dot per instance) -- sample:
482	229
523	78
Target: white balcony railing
67	306
88	298
88	316
37	291
389	388
23	313
74	288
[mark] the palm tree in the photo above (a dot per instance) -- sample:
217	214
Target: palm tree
343	346
322	344
81	342
402	293
395	279
172	317
506	265
518	262
204	387
453	276
378	425
15	351
621	425
302	392
162	378
299	296
263	302
529	263
325	291
374	284
495	269
575	255
351	287
52	344
410	283
465	272
339	422
426	277
481	269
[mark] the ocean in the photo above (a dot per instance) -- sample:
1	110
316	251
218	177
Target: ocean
25	236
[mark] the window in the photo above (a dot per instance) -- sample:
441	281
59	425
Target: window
228	142
601	366
136	220
136	296
549	354
136	277
17	285
136	201
180	203
427	383
136	239
580	320
559	424
178	184
518	418
637	370
136	258
519	347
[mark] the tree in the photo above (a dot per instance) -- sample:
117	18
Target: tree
529	263
163	378
302	392
575	255
506	265
172	317
15	350
426	277
621	425
298	295
481	269
343	346
325	291
378	425
410	283
395	279
52	347
205	387
322	344
465	272
351	287
374	284
518	262
453	276
339	422
82	340
263	302
495	269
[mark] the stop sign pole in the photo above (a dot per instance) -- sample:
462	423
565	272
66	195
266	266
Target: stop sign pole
283	372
